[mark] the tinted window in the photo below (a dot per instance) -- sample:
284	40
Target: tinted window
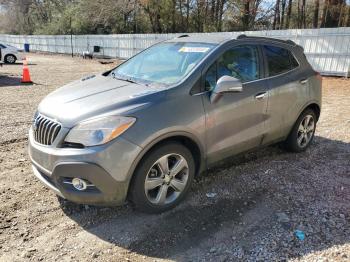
2	46
240	62
211	78
293	61
279	60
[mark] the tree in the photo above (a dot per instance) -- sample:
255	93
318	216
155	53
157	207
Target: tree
165	16
331	16
289	13
316	13
276	19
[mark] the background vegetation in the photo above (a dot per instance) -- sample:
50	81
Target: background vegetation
167	16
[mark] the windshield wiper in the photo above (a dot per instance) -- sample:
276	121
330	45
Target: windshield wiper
124	79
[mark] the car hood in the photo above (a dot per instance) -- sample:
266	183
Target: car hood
96	95
12	48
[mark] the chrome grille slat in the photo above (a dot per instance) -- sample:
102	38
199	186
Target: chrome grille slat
40	130
56	129
45	130
48	130
37	133
42	127
44	133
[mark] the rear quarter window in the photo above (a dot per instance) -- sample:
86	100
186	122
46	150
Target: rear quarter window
279	60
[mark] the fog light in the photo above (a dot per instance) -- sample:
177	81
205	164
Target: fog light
79	184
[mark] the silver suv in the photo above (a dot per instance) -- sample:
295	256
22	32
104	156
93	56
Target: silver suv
143	130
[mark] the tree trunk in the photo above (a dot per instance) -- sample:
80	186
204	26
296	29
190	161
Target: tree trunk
212	11
289	13
187	14
135	17
316	12
324	13
342	16
221	12
303	13
283	11
181	15
245	18
173	15
276	20
299	15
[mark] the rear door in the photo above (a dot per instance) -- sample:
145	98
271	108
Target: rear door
235	123
287	90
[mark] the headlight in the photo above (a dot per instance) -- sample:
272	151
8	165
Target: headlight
99	131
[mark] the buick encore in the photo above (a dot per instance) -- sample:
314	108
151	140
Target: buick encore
144	129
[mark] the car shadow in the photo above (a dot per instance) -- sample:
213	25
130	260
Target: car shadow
9	80
250	190
18	63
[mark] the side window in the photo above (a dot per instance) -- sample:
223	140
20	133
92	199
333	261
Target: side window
240	62
293	61
211	78
2	46
279	60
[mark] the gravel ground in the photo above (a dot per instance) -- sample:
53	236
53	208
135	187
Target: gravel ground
259	199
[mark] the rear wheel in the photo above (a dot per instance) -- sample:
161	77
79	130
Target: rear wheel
10	59
162	178
303	132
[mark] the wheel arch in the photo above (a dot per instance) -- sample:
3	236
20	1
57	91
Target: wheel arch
311	105
314	106
183	138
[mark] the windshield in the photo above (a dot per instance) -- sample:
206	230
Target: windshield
165	63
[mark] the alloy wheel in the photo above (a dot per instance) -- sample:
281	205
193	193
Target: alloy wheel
10	59
166	179
305	131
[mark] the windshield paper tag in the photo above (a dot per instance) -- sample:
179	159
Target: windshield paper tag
193	49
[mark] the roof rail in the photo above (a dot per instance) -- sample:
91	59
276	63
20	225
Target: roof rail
183	36
290	42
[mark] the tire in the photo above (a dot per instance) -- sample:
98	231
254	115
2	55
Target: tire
10	59
302	133
156	188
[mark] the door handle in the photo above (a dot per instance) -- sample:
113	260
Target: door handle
260	96
303	81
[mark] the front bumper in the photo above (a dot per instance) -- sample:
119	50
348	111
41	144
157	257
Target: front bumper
106	167
20	56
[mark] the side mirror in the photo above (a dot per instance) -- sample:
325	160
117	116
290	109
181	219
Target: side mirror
225	84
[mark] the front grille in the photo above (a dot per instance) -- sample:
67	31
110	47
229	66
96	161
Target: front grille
45	130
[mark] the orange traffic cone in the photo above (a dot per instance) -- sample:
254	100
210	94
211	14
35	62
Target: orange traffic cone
26	76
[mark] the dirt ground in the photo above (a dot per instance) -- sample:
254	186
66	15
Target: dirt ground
261	198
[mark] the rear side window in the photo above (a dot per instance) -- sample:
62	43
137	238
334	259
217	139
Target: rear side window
279	60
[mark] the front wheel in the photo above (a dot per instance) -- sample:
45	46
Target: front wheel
303	132
162	178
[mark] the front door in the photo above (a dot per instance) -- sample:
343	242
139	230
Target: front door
236	122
